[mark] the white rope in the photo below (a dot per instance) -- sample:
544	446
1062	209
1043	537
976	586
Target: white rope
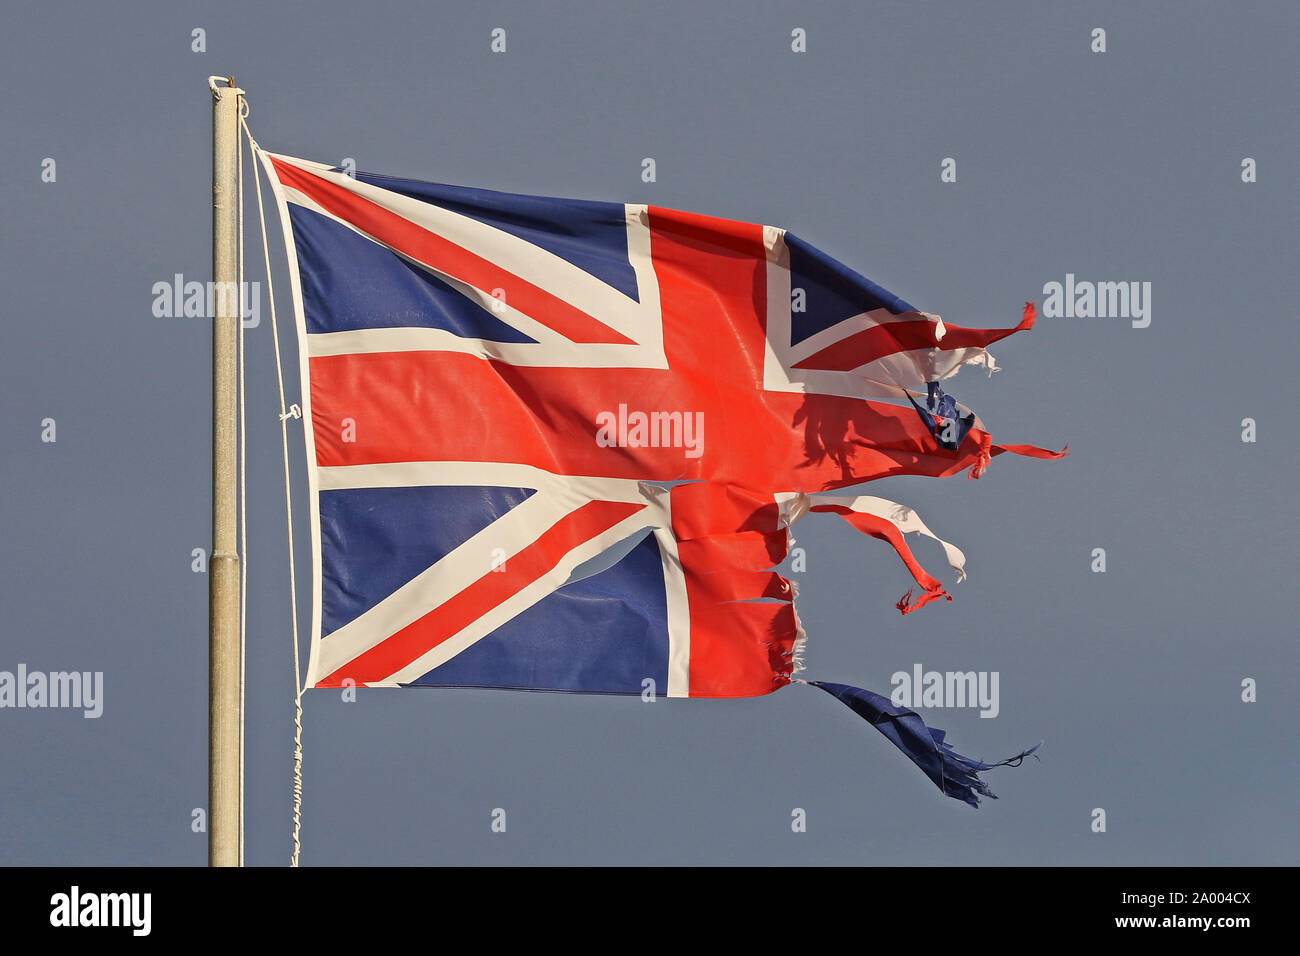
285	415
243	506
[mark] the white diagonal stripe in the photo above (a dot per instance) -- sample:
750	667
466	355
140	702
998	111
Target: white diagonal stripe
635	319
468	562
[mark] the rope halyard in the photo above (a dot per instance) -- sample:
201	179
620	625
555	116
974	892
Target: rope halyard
292	411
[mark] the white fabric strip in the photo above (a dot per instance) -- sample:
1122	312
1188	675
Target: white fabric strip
679	611
901	516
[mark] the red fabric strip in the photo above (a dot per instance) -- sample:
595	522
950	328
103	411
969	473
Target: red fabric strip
881	340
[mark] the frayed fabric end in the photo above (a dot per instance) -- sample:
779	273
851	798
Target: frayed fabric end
906	605
794	507
890	521
800	645
798	664
956	775
1027	317
983	458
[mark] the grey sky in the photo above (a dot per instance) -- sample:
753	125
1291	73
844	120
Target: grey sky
1117	166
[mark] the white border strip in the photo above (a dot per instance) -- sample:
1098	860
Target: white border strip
304	388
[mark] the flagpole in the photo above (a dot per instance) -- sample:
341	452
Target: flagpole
225	788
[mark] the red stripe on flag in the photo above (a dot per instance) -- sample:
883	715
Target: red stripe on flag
1030	451
886	530
447	257
448	406
891	337
488	592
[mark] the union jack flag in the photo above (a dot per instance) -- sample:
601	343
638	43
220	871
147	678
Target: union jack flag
559	445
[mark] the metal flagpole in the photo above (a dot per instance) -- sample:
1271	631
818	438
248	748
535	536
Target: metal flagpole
225	788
